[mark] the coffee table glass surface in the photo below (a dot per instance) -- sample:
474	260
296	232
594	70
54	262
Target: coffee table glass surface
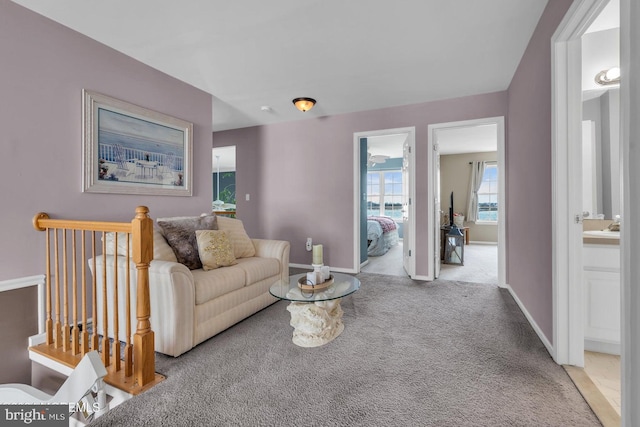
343	285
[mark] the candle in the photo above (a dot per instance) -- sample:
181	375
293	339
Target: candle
317	254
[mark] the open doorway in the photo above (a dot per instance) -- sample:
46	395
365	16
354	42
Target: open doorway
469	177
598	244
458	151
383	223
224	180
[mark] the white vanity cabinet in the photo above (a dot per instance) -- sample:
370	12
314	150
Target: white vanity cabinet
602	297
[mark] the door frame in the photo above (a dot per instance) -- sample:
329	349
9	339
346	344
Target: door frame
566	140
565	101
433	250
411	139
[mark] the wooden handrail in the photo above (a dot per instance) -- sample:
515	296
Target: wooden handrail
67	337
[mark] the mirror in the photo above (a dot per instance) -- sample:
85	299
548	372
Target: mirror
601	120
601	154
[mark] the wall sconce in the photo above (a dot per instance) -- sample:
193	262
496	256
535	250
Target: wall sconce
304	104
608	77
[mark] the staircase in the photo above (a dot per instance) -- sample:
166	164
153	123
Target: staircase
72	327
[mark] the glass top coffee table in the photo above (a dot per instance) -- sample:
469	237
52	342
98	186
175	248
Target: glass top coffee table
316	316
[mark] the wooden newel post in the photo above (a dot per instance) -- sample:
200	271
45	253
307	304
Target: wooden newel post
143	345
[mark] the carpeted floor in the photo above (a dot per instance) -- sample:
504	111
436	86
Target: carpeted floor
412	354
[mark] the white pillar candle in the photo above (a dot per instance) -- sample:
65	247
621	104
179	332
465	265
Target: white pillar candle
317	254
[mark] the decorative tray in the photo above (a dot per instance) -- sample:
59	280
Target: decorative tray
302	284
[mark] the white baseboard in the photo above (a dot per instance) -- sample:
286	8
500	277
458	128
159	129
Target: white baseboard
602	347
21	282
532	322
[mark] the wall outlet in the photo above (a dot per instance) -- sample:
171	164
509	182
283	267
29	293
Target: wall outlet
309	244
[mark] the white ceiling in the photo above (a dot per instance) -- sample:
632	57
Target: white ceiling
608	18
350	55
223	158
469	139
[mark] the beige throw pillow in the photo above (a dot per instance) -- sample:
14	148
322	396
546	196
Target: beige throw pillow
215	249
181	236
242	244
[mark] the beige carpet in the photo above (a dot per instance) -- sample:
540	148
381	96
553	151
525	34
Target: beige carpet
412	354
480	264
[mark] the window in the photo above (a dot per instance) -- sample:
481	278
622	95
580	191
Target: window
488	194
384	193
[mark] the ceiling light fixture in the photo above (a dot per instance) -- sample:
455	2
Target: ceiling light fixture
608	77
304	104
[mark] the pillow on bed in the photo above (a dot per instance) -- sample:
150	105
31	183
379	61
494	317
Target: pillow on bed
181	236
215	249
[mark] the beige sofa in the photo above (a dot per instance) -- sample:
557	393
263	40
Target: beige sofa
190	306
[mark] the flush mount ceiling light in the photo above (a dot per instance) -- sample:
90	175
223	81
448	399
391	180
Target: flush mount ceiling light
304	104
608	77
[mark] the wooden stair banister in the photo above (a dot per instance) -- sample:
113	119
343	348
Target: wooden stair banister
67	338
143	339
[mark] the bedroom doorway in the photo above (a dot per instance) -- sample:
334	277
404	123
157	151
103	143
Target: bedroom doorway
383	220
454	149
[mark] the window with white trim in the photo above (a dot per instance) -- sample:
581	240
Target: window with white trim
488	195
384	193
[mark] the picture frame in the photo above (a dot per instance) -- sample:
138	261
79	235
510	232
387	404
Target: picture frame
128	149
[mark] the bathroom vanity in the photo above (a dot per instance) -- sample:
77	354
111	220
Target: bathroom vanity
601	275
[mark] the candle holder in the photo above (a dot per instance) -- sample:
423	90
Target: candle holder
305	285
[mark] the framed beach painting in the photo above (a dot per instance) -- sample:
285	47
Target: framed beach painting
129	149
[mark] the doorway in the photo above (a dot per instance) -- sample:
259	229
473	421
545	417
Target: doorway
460	130
587	294
223	168
383	201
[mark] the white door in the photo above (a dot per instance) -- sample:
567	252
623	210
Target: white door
406	203
436	206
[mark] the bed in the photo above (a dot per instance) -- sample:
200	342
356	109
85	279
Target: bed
382	234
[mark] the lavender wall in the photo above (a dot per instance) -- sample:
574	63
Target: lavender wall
44	68
528	169
300	175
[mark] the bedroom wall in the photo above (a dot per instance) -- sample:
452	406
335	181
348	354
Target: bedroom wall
528	172
300	175
45	66
455	174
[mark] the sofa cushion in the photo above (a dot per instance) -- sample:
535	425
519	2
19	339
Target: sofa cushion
215	249
257	269
213	283
242	244
181	236
161	249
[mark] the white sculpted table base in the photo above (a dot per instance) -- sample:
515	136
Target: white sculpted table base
315	323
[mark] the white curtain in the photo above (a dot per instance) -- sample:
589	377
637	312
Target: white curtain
477	172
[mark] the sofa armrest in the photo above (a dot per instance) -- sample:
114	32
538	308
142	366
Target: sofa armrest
172	297
278	249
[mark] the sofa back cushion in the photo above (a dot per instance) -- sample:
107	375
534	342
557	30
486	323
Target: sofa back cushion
161	249
180	233
242	244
